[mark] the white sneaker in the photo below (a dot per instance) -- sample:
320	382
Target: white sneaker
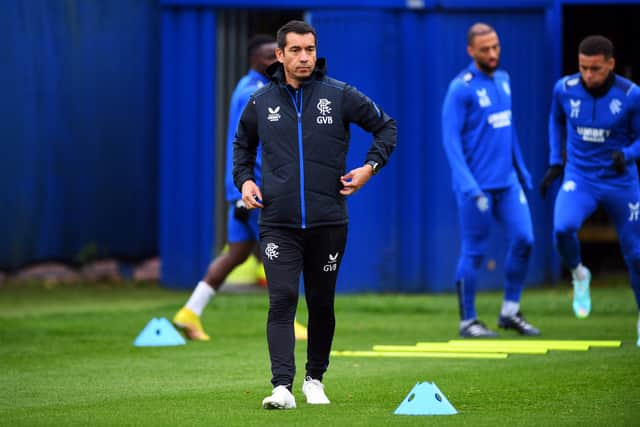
314	391
281	398
581	297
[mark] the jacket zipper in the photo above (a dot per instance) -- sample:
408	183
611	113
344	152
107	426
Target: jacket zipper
298	108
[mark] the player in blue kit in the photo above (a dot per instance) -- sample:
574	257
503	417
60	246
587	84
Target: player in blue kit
242	224
488	174
595	116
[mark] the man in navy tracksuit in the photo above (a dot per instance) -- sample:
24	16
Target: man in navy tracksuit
596	114
301	119
488	174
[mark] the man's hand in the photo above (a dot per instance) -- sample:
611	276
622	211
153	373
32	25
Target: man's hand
553	173
355	179
251	195
619	163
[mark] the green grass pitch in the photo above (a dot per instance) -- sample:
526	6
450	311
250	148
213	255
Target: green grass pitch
67	358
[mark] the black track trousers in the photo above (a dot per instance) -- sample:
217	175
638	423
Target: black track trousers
317	253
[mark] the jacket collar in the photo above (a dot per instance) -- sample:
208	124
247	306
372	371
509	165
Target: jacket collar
600	91
478	72
275	72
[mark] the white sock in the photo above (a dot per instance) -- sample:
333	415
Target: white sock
200	297
579	273
509	308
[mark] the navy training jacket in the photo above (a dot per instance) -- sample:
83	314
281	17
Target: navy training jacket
305	137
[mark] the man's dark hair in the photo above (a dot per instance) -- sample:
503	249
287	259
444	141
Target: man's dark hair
298	27
257	41
596	45
478	29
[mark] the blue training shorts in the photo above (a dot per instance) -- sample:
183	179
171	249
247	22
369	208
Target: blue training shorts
238	231
578	198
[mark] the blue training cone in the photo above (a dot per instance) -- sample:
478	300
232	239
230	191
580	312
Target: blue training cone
159	333
425	399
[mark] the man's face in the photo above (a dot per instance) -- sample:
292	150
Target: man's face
265	56
298	56
594	69
485	51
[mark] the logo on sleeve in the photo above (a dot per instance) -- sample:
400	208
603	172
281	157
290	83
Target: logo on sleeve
575	108
507	88
325	110
573	82
634	211
615	106
483	98
274	114
569	186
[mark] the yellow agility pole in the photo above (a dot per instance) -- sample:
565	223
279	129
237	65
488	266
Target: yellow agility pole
590	343
405	354
446	348
557	345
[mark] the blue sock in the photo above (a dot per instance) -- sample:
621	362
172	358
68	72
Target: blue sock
515	268
634	275
568	248
466	279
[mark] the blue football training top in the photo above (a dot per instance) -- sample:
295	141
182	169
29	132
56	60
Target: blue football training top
245	88
593	128
478	134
